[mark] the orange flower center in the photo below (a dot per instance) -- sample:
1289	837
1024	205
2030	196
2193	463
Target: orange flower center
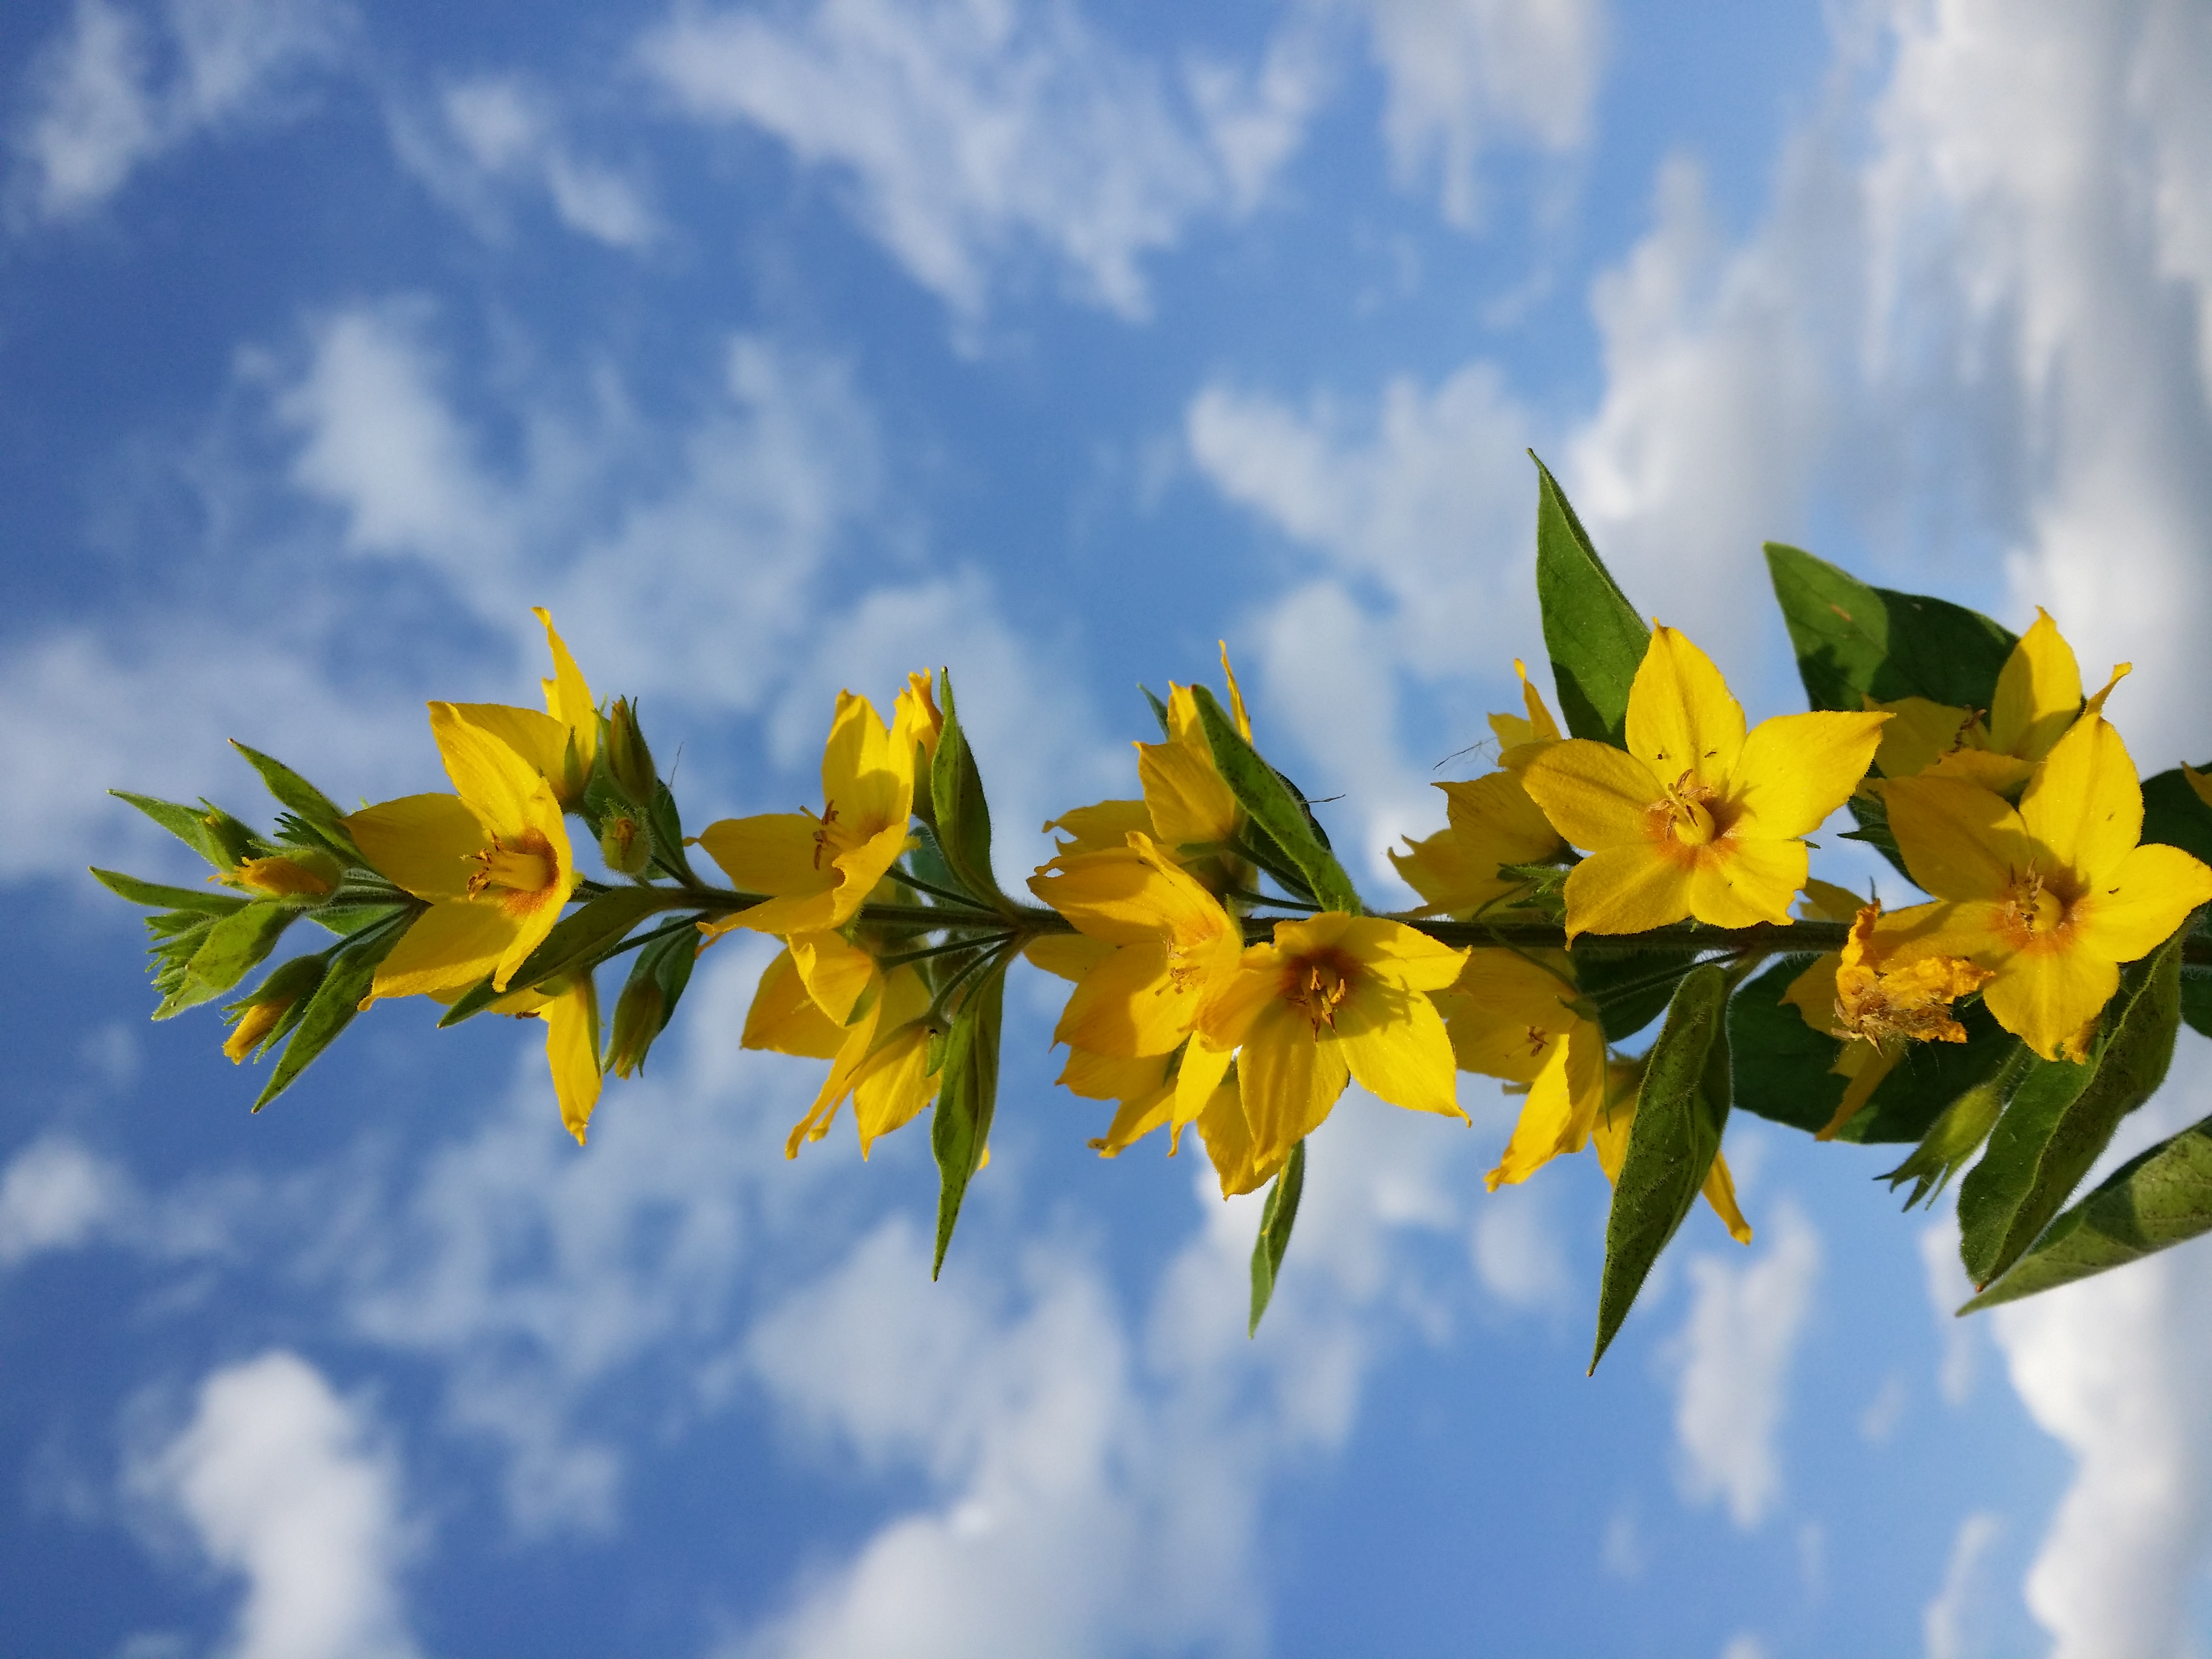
1681	814
2035	908
521	874
1316	985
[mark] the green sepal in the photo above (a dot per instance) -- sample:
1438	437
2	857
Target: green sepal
656	984
1681	1110
578	940
1854	641
187	823
154	895
963	816
351	972
233	947
2062	1116
1276	1220
2159	1199
1961	1128
1279	811
668	837
1596	640
960	1128
313	808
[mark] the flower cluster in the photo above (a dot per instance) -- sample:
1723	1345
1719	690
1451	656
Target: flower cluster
1637	867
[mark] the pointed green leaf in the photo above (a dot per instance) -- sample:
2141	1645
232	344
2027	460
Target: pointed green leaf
187	823
2161	1198
963	818
1961	1127
314	809
1681	1109
1159	711
232	948
667	825
351	973
1279	810
1855	641
2064	1114
154	895
1595	638
961	1128
1276	1220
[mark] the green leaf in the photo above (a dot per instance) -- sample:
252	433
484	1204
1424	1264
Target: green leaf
656	984
1630	989
188	825
2173	815
233	947
337	999
1961	1128
961	1128
2196	998
1596	639
926	860
2159	1199
1159	711
1782	1065
963	818
1277	809
314	809
667	826
154	895
1276	1220
1855	641
1681	1109
2064	1114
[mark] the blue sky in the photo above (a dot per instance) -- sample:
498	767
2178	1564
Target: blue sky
781	347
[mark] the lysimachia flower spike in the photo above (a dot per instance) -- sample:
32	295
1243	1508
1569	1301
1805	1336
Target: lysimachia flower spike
2039	696
491	860
2051	896
818	869
1696	819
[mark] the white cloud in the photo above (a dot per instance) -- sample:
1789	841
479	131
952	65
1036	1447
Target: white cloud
977	134
488	136
1948	1625
281	1483
120	85
1735	1353
56	1195
1517	1251
1461	76
1949	1290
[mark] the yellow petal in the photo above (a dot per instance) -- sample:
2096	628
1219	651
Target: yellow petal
1628	889
835	972
1199	1079
567	699
1391	951
1544	1129
1919	733
1866	1066
1506	1013
1101	827
1681	716
774	853
425	843
860	869
2038	692
2200	783
1228	1145
2084	803
1236	711
1068	956
540	740
1738	884
492	780
1135	1117
785	1020
1595	795
448	947
572	1052
2046	995
1959	841
1720	1193
2134	909
1126	898
894	1084
1113	1076
1290	1078
2003	774
1795	769
1188	802
1127	1004
1397	1047
1825	902
1813	994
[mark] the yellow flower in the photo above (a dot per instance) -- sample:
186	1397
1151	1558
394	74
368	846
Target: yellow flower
1521	738
2054	896
1492	822
1610	1136
492	859
1184	795
1885	989
1696	819
2039	694
817	870
563	743
302	874
1332	998
1101	827
827	998
1171	938
571	1013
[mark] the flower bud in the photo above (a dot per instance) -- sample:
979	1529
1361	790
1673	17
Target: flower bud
229	837
629	760
258	1016
306	873
626	843
639	1017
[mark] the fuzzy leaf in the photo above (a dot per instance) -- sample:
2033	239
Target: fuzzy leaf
963	817
232	948
1276	1220
154	896
1274	807
962	1126
337	999
1595	638
1855	641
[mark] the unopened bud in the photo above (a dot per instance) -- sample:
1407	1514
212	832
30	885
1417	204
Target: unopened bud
639	1017
626	843
629	760
307	873
258	1015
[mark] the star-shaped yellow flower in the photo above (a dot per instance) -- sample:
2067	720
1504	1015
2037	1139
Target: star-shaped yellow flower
1696	819
828	999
